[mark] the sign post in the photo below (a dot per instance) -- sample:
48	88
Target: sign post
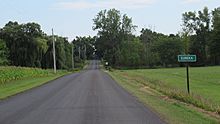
187	76
187	59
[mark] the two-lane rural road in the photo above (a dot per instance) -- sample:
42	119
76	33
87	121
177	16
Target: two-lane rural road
88	97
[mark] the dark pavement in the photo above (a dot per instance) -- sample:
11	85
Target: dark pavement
88	97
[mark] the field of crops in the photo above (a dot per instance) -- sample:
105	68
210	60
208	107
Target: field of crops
10	73
14	80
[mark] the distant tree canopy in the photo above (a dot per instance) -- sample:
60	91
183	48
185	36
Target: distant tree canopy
27	45
84	48
116	44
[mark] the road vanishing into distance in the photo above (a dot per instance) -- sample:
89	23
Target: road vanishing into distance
88	97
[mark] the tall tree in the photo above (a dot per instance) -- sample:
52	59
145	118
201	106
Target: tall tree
20	39
215	37
42	47
3	53
198	23
149	38
113	29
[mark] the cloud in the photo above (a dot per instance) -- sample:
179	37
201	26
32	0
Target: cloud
191	1
75	5
125	4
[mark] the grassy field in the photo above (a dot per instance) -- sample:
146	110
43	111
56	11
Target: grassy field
14	80
158	87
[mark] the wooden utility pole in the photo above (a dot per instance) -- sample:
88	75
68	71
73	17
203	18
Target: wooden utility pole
85	57
79	53
72	56
54	54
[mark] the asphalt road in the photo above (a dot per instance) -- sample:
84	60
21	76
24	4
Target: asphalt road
88	97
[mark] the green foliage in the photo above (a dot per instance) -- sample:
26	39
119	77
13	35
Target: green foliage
20	42
14	80
215	37
9	73
204	41
113	29
149	38
84	48
3	53
168	48
133	55
116	44
27	45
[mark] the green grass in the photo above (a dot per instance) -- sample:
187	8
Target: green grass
205	86
18	79
204	81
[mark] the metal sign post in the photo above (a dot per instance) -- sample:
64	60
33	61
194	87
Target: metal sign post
187	59
187	76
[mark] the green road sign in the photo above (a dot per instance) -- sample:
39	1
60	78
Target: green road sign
186	58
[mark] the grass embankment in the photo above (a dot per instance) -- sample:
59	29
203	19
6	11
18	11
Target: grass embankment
158	87
14	80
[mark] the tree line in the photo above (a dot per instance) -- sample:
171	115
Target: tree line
116	44
27	45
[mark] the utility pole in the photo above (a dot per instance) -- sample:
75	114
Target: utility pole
79	53
54	54
85	57
72	56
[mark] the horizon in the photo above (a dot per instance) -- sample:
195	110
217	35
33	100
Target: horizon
74	18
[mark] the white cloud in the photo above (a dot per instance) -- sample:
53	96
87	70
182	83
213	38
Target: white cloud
105	4
191	1
75	5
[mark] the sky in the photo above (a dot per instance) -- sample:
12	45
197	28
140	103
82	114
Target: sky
71	18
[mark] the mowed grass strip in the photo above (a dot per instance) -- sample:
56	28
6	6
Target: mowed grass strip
18	79
147	84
